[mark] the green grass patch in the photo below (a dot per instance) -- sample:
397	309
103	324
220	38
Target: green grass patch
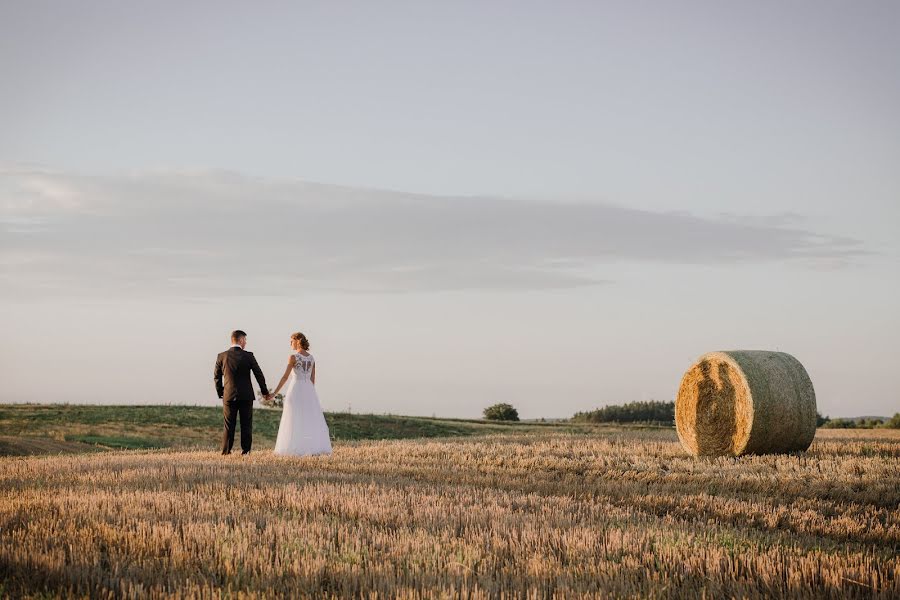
136	427
118	442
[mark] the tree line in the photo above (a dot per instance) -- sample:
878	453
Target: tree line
651	411
663	413
863	423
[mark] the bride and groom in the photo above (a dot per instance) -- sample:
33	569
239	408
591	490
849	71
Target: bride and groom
302	429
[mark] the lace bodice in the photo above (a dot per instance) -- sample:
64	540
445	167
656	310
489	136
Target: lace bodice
303	366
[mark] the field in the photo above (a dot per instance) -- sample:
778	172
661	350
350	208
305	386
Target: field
534	512
41	429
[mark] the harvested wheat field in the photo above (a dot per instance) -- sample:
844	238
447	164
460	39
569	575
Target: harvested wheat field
544	515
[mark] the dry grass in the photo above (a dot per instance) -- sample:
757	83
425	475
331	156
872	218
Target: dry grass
621	514
745	402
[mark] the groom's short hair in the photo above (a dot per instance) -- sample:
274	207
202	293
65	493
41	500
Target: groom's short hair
237	335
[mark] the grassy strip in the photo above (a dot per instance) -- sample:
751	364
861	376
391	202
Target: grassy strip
140	427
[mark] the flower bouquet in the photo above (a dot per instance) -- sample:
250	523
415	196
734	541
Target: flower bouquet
277	400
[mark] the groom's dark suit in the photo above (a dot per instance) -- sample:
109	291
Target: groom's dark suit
235	365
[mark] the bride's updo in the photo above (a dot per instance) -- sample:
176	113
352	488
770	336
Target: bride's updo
299	337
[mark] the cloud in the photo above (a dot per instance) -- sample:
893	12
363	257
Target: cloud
206	234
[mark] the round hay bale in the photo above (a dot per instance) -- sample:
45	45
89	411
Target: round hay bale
745	402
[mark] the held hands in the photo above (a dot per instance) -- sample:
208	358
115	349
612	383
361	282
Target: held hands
268	399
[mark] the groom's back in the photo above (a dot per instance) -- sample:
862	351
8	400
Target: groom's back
236	367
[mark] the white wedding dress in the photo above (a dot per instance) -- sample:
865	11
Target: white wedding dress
302	429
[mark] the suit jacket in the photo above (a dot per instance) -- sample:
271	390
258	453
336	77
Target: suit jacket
234	366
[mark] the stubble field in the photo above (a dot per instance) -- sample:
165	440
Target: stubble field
613	513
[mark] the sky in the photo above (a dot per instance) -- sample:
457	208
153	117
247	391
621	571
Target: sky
557	205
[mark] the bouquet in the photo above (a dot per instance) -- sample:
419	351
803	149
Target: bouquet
276	402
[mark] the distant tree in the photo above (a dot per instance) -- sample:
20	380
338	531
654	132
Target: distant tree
893	422
820	420
501	412
632	412
862	423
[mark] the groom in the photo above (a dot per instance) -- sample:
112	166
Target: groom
235	365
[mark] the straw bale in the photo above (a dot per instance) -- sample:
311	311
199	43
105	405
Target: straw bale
745	402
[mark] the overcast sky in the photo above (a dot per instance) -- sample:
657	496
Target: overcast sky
559	205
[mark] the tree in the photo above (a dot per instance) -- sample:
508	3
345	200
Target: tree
633	412
894	422
820	420
501	412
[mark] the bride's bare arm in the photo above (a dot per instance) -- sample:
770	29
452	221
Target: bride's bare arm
287	372
312	377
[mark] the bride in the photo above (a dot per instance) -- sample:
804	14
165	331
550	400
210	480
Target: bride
302	429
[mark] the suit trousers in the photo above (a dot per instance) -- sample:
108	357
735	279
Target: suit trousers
244	409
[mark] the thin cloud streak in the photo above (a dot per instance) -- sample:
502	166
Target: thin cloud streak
208	234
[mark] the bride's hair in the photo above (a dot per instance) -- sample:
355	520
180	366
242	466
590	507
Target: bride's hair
304	343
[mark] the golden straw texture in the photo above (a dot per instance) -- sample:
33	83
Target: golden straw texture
601	514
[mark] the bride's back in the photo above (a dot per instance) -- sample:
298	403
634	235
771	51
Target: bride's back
303	365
